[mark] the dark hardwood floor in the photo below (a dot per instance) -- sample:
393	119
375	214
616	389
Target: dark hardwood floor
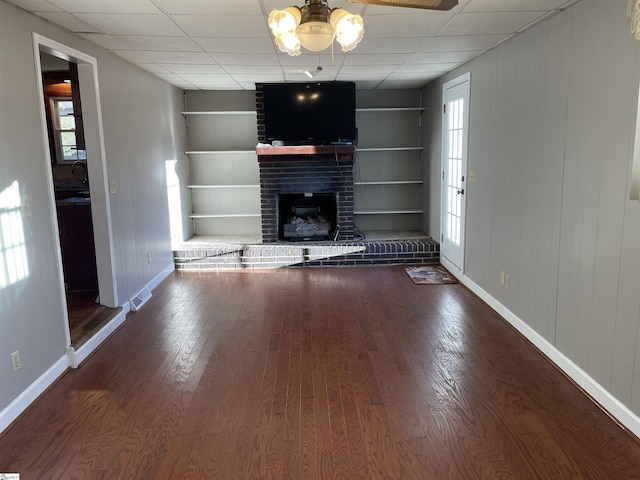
351	373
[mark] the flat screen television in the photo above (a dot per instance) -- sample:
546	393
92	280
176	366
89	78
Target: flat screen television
317	113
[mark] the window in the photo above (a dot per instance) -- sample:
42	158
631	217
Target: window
64	124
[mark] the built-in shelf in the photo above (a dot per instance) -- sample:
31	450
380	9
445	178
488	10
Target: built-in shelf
223	215
386	212
222	112
390	149
391	109
391	182
223	186
209	152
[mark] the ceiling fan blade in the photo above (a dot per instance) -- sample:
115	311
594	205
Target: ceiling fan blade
425	4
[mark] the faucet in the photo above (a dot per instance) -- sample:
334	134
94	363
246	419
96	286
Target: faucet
85	179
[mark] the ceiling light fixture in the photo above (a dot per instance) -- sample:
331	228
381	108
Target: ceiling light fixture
314	27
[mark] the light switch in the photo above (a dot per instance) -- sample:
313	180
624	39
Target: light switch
472	175
26	206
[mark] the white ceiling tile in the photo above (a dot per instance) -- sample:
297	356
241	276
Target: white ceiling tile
261	77
245	59
391	26
206	77
136	24
481	23
134	56
69	21
196	58
153	68
112	6
105	41
389	45
368	69
441	57
512	5
184	85
385	10
35	5
422	68
254	69
226	27
236	45
169	77
387	59
461	43
210	7
220	86
190	68
167	44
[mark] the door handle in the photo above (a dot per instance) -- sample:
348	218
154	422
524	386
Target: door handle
461	191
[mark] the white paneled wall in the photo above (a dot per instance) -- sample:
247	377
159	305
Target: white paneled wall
143	129
551	140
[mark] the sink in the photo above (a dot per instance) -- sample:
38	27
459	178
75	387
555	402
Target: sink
64	194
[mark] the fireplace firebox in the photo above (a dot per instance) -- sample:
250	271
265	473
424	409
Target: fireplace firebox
306	216
286	173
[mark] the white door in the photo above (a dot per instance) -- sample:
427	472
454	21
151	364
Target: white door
455	122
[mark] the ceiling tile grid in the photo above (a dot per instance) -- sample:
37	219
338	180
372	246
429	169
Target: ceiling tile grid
226	44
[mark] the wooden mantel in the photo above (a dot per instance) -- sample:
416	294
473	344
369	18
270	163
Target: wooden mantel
341	153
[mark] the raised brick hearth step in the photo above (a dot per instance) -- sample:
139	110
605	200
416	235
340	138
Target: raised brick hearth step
308	254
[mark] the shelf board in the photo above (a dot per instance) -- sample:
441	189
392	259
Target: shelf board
391	109
391	182
208	152
223	215
389	149
386	212
223	186
222	112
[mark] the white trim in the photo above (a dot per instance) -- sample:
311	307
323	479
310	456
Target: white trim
72	358
76	357
605	399
33	391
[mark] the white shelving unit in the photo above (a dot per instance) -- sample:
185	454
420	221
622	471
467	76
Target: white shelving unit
224	184
387	176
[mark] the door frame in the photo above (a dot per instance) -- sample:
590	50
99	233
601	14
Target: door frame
98	179
457	270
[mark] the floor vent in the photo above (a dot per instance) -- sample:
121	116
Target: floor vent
140	299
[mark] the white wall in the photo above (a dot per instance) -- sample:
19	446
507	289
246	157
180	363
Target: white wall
551	141
143	128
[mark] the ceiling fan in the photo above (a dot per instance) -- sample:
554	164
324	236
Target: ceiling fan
425	4
315	25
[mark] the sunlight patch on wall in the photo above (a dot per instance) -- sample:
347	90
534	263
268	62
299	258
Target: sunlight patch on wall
13	253
175	205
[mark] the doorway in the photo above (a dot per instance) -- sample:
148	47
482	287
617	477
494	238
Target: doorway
455	125
73	139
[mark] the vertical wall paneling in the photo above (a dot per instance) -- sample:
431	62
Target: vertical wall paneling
551	141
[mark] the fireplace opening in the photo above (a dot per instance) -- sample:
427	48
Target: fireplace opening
307	216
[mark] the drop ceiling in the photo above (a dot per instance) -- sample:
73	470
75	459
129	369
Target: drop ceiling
226	44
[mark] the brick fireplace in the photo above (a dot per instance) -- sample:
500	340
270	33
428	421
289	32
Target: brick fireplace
306	170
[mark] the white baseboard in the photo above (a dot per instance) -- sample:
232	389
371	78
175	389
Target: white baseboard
72	358
33	391
606	400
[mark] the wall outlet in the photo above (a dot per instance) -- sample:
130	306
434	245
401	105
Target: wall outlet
502	278
507	280
112	186
15	361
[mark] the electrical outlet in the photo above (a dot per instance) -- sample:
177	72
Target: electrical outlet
502	278
26	206
15	361
507	280
112	186
148	257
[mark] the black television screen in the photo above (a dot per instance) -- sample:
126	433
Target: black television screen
317	113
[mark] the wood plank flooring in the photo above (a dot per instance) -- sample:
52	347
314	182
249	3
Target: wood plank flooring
351	373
